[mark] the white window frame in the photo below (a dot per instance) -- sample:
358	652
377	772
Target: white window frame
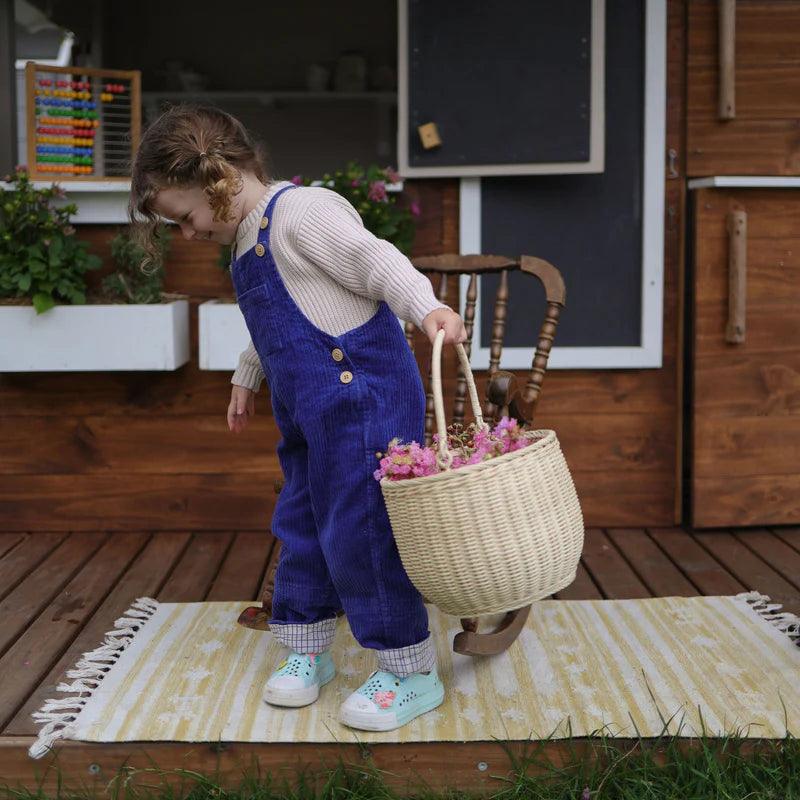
596	161
648	354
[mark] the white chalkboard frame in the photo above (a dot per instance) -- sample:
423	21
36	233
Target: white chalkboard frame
595	162
648	354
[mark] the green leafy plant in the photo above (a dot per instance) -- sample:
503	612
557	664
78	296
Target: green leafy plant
130	283
383	212
40	258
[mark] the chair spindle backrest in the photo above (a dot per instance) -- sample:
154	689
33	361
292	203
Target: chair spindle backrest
503	394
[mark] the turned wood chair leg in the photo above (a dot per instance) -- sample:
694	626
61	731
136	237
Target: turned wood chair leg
471	643
258	617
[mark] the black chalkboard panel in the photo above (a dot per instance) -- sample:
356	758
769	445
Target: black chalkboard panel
589	226
504	82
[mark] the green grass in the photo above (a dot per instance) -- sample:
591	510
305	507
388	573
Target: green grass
729	768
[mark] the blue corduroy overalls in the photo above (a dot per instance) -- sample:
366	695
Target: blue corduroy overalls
337	400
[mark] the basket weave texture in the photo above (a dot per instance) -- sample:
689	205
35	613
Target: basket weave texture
493	536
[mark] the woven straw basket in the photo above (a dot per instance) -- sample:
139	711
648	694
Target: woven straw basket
488	537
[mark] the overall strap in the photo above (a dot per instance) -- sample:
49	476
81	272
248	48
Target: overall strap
264	232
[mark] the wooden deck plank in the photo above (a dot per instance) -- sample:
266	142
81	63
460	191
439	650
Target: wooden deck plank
45	639
582	588
651	564
781	557
749	568
414	769
243	569
8	541
789	535
24	604
195	571
695	562
143	578
609	569
777	553
29	552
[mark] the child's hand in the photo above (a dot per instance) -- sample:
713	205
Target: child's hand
242	406
444	318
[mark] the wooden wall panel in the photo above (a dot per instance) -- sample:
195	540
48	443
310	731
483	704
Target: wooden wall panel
130	502
767	33
746	397
762	138
153	444
150	451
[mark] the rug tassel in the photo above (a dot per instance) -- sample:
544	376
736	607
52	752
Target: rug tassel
783	620
59	713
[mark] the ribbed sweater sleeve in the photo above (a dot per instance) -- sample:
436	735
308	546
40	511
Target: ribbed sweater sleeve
332	236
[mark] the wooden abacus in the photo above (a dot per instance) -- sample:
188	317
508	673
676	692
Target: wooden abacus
82	123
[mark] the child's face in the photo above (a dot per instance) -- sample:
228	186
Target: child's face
189	209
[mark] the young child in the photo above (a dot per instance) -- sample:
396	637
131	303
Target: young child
321	296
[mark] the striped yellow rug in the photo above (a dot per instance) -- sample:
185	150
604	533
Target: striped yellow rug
187	672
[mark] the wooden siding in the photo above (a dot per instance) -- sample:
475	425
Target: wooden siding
151	451
746	398
762	138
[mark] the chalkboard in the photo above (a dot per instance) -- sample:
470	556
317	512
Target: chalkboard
507	85
589	226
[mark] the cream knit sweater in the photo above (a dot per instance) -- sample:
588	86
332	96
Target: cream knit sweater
335	270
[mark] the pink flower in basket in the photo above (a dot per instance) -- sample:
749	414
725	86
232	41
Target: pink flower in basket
469	445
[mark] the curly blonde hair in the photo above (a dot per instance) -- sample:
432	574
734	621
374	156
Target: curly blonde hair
189	146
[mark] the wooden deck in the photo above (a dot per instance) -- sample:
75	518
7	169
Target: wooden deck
59	593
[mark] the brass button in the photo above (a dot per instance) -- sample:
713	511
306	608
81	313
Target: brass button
337	354
346	376
264	222
260	249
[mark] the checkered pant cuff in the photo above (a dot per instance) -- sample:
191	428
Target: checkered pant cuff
405	661
314	637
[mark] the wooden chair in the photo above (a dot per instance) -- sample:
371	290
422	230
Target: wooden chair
505	395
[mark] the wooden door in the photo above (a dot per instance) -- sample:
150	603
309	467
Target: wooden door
746	396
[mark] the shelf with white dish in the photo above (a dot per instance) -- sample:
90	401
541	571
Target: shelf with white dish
267	98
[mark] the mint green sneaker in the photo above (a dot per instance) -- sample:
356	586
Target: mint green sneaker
385	702
298	678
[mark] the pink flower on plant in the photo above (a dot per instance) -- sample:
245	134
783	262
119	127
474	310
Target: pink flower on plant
377	192
392	175
415	209
297	180
355	182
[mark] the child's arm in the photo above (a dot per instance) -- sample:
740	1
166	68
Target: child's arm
330	235
241	407
246	381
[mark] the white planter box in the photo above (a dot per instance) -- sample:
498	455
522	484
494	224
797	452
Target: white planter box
94	338
222	335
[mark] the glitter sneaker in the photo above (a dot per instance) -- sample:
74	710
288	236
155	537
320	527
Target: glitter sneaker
385	702
298	678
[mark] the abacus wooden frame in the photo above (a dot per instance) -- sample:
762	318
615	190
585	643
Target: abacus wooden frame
33	67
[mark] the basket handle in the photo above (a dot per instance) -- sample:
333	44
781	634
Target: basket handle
444	458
